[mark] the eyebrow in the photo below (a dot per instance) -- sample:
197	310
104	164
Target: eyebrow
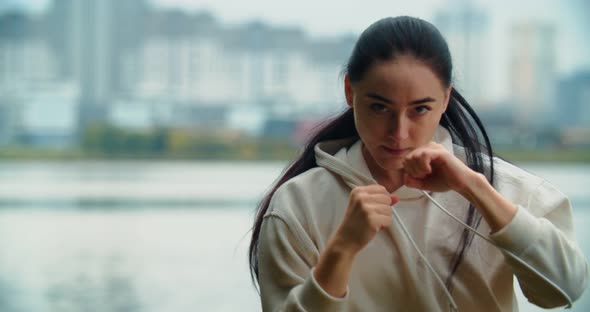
415	102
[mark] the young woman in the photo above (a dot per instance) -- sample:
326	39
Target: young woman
354	223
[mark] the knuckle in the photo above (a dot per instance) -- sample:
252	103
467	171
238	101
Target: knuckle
362	196
366	208
356	193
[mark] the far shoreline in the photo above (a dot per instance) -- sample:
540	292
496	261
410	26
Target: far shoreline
284	153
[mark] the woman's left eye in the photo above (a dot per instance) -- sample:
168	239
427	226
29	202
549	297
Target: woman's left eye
421	110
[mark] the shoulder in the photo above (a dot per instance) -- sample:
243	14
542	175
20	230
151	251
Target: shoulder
515	183
305	191
310	205
309	182
507	173
538	195
504	172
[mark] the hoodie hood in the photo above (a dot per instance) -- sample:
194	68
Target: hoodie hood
344	157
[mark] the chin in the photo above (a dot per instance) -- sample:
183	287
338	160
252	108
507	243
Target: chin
391	164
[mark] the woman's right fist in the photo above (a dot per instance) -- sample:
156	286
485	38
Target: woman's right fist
368	212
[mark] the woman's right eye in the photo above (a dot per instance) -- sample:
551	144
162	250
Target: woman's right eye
379	108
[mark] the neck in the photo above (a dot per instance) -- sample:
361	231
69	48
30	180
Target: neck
390	179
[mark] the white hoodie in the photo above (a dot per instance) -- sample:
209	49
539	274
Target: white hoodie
389	274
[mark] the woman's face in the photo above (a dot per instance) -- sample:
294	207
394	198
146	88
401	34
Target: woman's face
397	108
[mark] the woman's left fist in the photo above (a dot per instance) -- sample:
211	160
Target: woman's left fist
432	168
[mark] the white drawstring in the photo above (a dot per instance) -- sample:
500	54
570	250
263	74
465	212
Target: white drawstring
403	227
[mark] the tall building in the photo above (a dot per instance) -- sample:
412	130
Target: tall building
25	56
573	105
533	71
90	37
465	27
27	68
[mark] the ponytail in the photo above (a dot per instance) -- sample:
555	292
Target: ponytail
458	123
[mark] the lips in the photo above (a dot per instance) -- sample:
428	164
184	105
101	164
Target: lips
395	151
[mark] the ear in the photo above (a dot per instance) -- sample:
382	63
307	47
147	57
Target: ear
447	98
348	92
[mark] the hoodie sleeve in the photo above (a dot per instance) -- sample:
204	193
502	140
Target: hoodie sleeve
548	244
285	272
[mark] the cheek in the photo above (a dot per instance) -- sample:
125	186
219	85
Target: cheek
368	126
426	130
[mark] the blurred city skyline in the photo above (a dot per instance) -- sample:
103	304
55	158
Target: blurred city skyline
265	70
571	18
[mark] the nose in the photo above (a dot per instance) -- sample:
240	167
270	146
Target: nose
399	128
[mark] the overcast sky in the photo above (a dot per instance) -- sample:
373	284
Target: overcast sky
333	17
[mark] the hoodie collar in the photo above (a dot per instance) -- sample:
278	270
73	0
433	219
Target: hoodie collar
345	158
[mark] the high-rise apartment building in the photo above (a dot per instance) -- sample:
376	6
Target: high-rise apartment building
533	71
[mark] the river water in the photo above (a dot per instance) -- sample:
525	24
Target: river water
155	236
